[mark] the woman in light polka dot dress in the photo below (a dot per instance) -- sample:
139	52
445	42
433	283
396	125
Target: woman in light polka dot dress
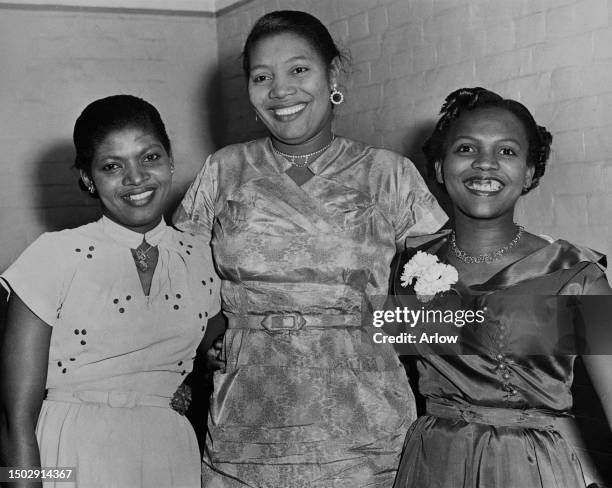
107	317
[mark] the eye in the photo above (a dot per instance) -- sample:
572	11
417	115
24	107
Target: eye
507	151
260	78
151	157
110	167
464	148
300	69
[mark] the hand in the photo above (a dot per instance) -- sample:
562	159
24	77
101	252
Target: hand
181	398
214	355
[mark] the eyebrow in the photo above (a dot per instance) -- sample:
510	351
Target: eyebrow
288	61
153	145
504	139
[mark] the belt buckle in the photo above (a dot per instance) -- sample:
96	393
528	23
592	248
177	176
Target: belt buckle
122	399
274	322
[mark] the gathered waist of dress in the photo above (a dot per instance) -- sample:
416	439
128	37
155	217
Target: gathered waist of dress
292	321
500	417
113	398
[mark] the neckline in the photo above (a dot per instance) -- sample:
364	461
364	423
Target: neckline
554	256
282	164
130	238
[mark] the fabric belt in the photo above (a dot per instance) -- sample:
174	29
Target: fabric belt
292	321
113	398
501	417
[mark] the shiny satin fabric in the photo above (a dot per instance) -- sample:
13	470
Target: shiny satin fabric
441	451
316	407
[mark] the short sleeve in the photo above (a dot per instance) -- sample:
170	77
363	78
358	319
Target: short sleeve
416	211
36	277
196	212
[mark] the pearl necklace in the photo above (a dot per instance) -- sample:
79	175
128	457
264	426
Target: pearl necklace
291	157
485	258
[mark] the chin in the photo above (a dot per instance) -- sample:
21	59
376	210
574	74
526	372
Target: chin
138	221
485	213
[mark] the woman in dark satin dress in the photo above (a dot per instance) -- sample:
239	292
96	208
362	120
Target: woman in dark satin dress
493	416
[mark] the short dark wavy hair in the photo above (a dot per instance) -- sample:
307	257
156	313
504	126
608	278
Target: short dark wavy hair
468	99
106	115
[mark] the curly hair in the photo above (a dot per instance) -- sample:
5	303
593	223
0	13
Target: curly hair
468	99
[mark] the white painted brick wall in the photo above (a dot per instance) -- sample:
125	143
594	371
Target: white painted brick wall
53	64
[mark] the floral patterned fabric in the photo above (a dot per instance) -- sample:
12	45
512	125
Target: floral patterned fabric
320	406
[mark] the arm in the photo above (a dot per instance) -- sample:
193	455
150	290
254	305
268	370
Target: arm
600	372
599	367
195	213
415	211
24	354
205	363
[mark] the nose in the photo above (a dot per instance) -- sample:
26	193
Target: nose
281	87
486	160
134	175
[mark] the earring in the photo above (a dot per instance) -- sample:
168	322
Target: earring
171	169
336	96
256	119
91	188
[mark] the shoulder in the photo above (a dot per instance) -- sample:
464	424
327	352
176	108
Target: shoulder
237	152
68	241
585	266
582	253
192	247
358	149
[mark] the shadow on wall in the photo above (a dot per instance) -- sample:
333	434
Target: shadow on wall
58	201
412	148
225	104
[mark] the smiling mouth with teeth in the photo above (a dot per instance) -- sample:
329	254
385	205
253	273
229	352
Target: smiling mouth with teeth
484	185
283	112
139	196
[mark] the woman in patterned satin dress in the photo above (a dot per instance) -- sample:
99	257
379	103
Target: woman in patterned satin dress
304	225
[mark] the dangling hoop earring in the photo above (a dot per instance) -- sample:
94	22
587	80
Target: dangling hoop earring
336	96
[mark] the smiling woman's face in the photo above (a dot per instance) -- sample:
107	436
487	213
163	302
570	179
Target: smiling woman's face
289	87
132	173
485	165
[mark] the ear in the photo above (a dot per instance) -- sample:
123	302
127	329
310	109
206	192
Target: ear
529	172
333	72
87	181
439	173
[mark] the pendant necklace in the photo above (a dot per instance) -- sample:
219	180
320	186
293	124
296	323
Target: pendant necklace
141	256
485	258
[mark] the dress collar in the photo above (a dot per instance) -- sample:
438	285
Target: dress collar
555	256
132	239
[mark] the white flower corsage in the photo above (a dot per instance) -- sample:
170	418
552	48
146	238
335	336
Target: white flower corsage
431	275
